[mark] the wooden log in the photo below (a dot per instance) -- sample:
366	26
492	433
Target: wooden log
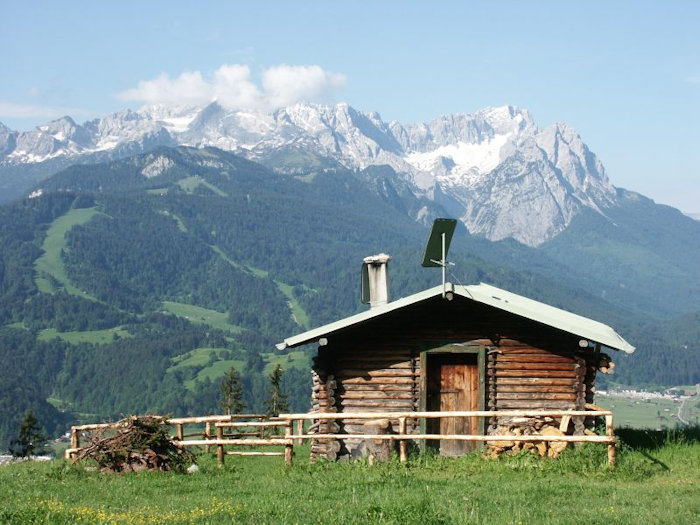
376	365
300	430
207	434
378	449
233	442
403	447
372	387
536	395
249	424
533	366
537	389
383	404
531	373
253	453
541	404
408	379
219	447
213	419
564	424
354	372
530	358
289	448
375	394
325	386
535	381
609	433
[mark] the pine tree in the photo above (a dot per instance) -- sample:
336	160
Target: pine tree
31	438
276	401
232	392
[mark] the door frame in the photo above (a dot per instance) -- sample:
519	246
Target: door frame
454	348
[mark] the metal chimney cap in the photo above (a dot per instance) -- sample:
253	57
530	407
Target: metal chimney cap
377	259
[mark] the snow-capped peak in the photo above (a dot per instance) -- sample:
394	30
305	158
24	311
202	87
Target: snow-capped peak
494	168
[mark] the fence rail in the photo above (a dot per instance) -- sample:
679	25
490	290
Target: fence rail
288	421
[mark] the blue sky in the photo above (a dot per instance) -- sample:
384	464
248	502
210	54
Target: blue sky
626	75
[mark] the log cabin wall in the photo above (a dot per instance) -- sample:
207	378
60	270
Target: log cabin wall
376	366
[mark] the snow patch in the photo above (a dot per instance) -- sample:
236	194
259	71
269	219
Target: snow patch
467	158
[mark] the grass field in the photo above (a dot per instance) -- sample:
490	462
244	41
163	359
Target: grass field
655	482
98	337
190	184
298	313
199	315
49	266
653	413
203	357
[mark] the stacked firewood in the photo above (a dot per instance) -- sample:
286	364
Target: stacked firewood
135	444
323	400
527	427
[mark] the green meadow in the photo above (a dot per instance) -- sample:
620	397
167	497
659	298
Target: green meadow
49	269
199	315
212	366
98	337
652	413
655	481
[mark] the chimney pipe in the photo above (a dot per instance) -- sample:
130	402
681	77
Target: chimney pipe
375	280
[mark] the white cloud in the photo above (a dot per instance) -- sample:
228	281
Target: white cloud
231	85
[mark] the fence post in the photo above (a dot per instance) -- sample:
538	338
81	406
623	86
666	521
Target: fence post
178	431
207	434
288	448
262	428
300	431
74	442
611	436
403	455
219	447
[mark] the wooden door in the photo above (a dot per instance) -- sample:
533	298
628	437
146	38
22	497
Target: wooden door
453	384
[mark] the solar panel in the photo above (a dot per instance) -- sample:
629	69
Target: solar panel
434	256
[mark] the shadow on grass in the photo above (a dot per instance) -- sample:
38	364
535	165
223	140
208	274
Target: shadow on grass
650	440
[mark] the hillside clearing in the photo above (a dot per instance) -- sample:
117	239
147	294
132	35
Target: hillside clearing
98	337
49	267
199	315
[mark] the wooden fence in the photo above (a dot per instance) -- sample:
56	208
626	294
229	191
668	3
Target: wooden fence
179	429
256	437
404	438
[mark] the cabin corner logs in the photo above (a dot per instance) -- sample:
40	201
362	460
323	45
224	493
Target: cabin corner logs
439	356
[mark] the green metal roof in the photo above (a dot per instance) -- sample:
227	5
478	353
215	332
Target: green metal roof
486	294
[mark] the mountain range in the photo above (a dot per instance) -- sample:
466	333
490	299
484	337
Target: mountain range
495	170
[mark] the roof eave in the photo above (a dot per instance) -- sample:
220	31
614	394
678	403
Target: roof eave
491	296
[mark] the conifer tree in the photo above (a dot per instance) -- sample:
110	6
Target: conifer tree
31	438
232	392
276	401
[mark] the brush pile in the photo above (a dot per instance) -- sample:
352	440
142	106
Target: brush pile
134	444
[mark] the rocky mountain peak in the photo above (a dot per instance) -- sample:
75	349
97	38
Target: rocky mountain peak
494	168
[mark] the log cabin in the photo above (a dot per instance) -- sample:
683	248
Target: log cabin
452	348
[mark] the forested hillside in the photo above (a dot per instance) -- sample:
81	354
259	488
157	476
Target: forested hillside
133	286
